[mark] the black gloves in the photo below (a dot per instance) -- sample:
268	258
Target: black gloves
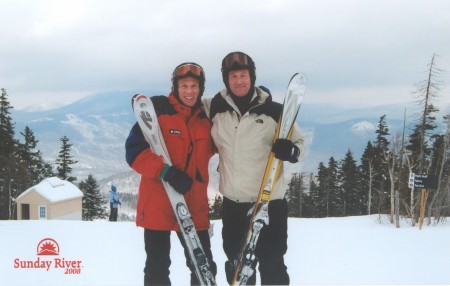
176	178
286	150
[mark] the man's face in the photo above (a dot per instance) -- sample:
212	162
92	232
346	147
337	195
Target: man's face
188	90
239	82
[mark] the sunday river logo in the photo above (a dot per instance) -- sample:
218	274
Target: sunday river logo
46	248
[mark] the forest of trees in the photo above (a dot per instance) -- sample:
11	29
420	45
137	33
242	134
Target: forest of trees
377	183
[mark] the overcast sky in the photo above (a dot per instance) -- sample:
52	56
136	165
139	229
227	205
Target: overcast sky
354	52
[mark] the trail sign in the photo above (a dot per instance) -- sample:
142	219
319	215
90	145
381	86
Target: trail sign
426	181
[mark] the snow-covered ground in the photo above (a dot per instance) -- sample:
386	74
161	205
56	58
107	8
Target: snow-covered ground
347	251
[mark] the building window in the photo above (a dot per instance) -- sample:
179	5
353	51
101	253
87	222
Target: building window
42	212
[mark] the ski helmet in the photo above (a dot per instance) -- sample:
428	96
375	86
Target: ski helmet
237	61
188	69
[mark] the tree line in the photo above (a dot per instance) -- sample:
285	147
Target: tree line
22	166
379	183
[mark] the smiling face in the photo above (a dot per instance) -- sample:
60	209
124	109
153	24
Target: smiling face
188	90
239	82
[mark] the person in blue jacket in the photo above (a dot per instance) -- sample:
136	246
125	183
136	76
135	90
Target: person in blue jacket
114	202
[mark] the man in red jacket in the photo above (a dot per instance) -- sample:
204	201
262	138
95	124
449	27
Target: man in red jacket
187	134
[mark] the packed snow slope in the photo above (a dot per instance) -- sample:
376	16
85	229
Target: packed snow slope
363	250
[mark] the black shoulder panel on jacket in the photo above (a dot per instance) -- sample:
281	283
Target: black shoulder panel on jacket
218	105
202	115
162	105
271	108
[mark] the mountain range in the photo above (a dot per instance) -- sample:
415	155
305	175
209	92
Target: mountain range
98	125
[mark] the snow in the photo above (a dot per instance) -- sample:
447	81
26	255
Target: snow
347	251
363	127
55	190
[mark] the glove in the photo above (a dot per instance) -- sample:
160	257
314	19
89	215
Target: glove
177	179
286	150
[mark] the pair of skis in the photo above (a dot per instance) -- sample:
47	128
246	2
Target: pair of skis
259	214
147	119
148	122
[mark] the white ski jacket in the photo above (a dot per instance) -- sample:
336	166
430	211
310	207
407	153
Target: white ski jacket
244	143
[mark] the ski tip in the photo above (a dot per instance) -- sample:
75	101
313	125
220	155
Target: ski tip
299	81
300	77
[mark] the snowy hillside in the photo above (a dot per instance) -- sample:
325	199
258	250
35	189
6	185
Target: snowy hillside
362	250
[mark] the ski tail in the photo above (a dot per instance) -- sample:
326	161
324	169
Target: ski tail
259	217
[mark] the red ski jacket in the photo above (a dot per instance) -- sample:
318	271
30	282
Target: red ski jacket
187	135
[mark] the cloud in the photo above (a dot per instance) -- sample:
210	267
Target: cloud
83	47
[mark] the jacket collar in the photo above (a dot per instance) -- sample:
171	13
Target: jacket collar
259	97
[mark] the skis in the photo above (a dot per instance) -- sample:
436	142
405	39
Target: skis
148	122
259	214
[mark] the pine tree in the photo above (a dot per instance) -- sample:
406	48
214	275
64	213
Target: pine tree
311	199
294	195
322	196
349	178
65	161
8	158
93	203
215	211
381	176
440	167
335	194
367	175
37	168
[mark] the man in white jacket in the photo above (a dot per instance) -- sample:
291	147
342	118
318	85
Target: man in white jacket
244	121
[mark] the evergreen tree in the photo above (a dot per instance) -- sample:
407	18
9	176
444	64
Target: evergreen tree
322	196
37	168
437	154
65	161
420	140
215	211
312	207
93	203
295	195
440	167
8	158
381	176
349	178
335	194
367	173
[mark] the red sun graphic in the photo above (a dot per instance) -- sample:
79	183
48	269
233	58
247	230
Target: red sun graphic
48	246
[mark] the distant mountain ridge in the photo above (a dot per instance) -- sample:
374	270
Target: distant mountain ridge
98	126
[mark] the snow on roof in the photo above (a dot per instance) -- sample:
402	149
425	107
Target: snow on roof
55	190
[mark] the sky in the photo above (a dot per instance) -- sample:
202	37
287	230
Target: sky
355	53
364	250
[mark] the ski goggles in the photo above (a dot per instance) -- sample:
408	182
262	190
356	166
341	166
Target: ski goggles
236	60
188	69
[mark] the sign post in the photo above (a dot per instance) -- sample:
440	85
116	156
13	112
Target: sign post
425	183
